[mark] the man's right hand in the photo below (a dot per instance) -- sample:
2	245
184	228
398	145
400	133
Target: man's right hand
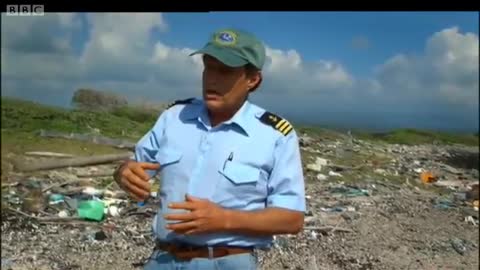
132	178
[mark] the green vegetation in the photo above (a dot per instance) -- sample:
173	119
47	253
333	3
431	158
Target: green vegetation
22	120
131	122
137	114
29	117
319	132
413	136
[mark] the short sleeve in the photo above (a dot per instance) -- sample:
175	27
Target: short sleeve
147	147
286	184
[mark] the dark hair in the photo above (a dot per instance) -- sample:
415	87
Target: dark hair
252	70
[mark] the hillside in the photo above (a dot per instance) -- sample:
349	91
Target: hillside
131	122
399	200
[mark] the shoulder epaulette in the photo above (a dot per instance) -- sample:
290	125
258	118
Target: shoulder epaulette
180	101
277	123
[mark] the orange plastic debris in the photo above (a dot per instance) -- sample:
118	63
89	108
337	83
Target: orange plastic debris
427	177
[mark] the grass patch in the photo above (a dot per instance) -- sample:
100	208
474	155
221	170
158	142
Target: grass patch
15	144
414	137
21	142
21	121
26	116
137	114
320	133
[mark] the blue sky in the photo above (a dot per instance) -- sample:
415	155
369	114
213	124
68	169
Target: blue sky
327	35
359	69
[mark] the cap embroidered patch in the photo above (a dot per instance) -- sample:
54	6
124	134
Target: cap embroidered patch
226	38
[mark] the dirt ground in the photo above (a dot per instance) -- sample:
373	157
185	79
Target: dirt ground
386	223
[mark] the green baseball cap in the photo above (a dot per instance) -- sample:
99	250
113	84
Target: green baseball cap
235	48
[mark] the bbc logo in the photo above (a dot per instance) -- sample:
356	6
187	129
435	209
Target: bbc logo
25	10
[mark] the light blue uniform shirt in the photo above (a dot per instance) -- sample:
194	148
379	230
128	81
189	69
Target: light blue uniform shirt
242	164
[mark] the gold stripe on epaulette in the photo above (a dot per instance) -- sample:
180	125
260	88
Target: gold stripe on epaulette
287	130
283	126
278	123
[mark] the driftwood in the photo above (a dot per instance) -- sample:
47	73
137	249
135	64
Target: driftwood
53	219
95	175
49	154
71	182
73	162
118	143
48	218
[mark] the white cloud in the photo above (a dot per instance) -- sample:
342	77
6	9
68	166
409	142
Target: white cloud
292	74
447	71
119	45
39	47
121	56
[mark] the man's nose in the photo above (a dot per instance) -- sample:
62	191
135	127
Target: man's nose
211	80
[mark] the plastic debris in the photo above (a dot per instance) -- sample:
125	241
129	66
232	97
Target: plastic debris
321	177
334	209
91	210
56	198
33	184
317	166
338	209
350	191
351	209
63	214
72	203
444	204
113	211
460	196
471	220
332	173
109	202
427	177
450	184
458	245
93	191
418	170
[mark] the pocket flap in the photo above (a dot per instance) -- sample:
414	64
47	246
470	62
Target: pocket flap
240	173
167	156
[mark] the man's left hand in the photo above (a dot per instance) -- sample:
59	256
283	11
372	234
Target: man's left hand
204	217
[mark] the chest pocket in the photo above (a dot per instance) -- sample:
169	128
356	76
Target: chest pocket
167	156
240	174
240	185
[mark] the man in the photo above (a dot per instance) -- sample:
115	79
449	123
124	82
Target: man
231	173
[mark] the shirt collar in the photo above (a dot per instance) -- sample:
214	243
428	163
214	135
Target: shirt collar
242	118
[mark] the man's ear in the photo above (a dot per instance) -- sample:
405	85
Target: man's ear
254	81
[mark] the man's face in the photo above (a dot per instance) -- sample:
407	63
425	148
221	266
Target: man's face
225	87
